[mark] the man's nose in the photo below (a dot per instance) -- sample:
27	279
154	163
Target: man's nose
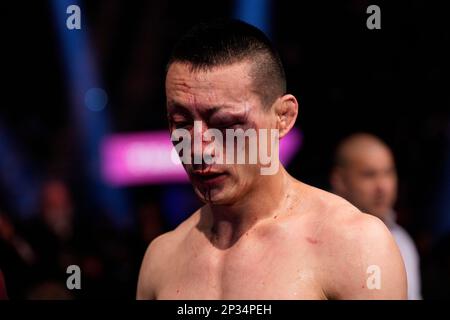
199	142
383	184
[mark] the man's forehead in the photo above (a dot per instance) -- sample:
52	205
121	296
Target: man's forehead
232	76
174	106
221	90
373	158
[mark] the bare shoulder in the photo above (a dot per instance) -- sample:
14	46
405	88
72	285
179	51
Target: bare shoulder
159	254
346	222
324	208
340	219
356	246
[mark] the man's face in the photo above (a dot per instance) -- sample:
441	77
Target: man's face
221	98
370	181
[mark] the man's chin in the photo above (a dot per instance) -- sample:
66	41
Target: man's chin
212	196
380	212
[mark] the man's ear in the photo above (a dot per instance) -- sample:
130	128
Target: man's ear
337	181
286	109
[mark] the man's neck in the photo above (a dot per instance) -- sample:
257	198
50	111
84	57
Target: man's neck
230	222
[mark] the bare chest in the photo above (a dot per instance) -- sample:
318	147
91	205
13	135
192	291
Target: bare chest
254	270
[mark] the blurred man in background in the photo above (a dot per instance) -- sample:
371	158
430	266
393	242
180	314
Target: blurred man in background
17	258
365	174
53	235
3	294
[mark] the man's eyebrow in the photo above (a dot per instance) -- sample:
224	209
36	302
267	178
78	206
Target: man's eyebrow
175	107
226	108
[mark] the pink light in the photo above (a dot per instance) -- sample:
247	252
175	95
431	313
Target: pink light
149	158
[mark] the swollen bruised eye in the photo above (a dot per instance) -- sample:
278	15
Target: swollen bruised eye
227	125
182	125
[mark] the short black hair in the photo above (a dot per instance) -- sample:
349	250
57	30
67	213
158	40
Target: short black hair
224	42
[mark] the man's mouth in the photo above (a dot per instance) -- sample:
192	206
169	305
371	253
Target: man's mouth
209	177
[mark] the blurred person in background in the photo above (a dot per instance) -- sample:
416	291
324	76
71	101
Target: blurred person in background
3	294
17	258
52	231
365	174
61	238
150	222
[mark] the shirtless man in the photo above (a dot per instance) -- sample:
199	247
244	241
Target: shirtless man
257	236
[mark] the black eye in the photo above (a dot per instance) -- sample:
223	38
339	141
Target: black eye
231	125
182	124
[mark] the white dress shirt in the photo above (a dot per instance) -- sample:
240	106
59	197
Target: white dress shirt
410	257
